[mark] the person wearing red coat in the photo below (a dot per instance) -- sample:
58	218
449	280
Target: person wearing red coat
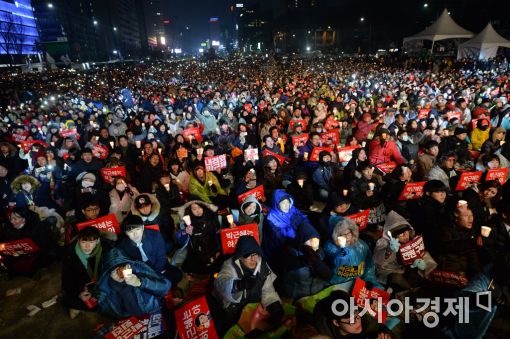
383	150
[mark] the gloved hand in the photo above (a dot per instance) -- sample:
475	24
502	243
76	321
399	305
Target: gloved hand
246	283
394	245
419	264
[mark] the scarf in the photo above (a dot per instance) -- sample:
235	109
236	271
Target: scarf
84	259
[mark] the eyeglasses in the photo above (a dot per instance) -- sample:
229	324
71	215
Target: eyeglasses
348	235
351	320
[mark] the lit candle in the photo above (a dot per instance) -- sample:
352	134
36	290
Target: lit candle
342	241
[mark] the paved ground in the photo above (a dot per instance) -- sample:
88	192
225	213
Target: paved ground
54	321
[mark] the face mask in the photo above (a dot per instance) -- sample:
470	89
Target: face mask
26	186
120	187
405	138
87	184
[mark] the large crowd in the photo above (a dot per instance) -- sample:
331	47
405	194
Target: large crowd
319	174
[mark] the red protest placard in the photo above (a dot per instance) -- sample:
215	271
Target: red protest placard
330	138
387	167
497	174
109	173
229	236
216	162
361	219
18	137
251	154
26	145
345	153
448	278
68	132
371	298
423	113
316	151
107	223
148	326
126	329
412	190
331	123
475	121
280	158
454	114
100	151
412	250
300	140
18	247
293	122
194	320
192	133
468	178
258	191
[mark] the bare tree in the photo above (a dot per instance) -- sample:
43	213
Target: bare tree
12	35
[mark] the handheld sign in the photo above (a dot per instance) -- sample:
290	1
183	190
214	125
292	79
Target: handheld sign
412	190
146	326
107	223
330	138
100	151
18	137
111	172
370	300
192	133
454	114
331	123
216	162
293	122
251	154
257	191
317	150
26	145
467	179
423	113
18	247
448	278
68	132
345	153
280	158
497	174
412	250
387	167
194	320
361	219
300	140
230	236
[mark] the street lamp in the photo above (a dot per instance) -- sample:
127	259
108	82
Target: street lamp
50	5
115	51
95	22
362	19
115	29
425	5
308	48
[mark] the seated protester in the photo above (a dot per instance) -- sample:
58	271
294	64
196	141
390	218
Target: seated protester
495	142
167	193
250	212
393	187
359	155
5	186
81	267
246	278
281	223
271	145
302	190
179	175
199	237
480	134
305	272
334	320
27	191
455	248
488	162
272	178
146	245
348	255
426	160
338	205
457	144
323	175
148	208
365	193
150	172
444	169
383	149
129	287
247	181
87	163
121	198
482	201
23	223
88	186
389	269
204	186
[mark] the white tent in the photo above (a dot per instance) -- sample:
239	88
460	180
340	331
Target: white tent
443	28
483	46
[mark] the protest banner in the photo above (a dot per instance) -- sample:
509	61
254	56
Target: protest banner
499	174
280	158
230	236
467	179
68	132
194	320
251	154
454	114
192	133
147	326
107	223
423	113
216	162
293	122
412	190
387	167
27	145
18	247
300	140
257	191
361	219
111	172
412	250
371	297
345	153
330	138
316	151
100	151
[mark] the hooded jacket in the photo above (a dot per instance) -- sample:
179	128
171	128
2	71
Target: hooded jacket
118	299
280	226
387	261
352	261
382	153
156	217
241	218
202	190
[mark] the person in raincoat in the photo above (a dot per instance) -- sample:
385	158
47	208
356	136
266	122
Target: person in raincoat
250	212
349	256
389	268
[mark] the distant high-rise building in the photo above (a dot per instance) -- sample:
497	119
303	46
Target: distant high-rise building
19	33
155	29
302	4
